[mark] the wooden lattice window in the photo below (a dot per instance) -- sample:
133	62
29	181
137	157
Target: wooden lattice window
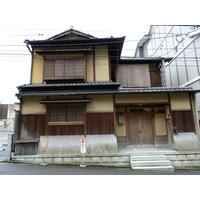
66	114
64	69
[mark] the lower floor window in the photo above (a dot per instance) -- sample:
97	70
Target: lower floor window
66	113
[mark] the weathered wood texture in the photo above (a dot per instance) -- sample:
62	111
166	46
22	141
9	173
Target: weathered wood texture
155	79
99	123
161	140
32	126
140	128
26	148
183	120
135	75
65	130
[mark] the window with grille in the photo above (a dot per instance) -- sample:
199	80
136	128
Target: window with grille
64	69
66	114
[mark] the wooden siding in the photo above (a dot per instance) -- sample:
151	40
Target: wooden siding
32	126
134	75
183	120
99	123
65	130
155	79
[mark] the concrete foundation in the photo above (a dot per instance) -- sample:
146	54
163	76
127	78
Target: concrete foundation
71	144
186	142
178	159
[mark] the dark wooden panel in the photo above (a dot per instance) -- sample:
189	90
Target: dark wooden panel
133	128
161	139
183	120
26	148
155	79
99	123
32	126
3	111
65	130
121	139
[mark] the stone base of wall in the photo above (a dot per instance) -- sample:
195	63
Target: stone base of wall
185	160
179	160
89	160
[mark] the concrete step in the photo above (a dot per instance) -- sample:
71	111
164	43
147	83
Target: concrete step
155	169
150	157
144	161
148	153
150	163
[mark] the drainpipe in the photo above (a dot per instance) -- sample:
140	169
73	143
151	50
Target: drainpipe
31	51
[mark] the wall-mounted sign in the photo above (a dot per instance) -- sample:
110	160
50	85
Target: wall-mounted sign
121	119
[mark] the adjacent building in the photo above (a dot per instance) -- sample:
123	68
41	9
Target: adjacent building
7	116
81	86
180	42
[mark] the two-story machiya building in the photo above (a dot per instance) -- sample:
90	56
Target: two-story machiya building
81	87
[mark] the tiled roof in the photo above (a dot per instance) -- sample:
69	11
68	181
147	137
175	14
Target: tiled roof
57	91
69	85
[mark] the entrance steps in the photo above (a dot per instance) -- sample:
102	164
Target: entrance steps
150	161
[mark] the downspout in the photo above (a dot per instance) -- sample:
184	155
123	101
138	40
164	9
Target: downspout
31	51
195	114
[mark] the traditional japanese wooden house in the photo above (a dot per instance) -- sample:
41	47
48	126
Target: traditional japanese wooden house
80	86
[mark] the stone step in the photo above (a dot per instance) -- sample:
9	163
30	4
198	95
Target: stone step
148	153
150	163
152	157
155	169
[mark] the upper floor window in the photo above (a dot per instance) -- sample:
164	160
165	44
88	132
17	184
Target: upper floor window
67	114
68	69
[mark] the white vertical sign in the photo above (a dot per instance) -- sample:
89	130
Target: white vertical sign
83	145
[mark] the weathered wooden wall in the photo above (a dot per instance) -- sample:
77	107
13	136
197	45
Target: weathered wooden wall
32	126
99	123
183	120
65	130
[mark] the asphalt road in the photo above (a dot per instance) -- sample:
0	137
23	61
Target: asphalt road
35	169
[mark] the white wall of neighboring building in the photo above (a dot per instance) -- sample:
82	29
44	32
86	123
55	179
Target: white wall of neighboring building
182	43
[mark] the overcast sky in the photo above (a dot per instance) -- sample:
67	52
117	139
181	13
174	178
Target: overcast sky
41	19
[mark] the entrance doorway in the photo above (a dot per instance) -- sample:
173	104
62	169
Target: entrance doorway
140	128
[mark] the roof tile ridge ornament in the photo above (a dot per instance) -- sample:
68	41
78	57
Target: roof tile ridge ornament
69	32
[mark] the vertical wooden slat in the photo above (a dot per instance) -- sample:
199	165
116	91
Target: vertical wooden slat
155	77
183	120
32	126
121	75
100	123
134	75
